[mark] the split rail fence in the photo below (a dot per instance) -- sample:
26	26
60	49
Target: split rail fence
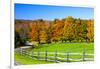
56	56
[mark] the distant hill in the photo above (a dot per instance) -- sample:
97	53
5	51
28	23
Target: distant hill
29	21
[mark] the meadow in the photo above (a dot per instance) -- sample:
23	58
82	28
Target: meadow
75	50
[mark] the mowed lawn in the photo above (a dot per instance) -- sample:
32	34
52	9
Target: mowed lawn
60	48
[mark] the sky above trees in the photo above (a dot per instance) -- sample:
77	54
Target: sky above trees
47	12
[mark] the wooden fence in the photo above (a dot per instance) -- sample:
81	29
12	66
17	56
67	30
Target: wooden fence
54	56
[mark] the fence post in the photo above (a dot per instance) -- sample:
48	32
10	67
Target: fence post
32	54
46	53
55	58
21	52
38	55
83	55
25	52
67	55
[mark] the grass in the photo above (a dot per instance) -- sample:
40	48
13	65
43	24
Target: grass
64	47
59	47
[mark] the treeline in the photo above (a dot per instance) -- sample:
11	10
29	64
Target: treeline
65	30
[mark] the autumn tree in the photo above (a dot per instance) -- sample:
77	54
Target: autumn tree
68	31
57	30
22	30
90	29
44	31
34	34
48	31
83	33
38	31
33	31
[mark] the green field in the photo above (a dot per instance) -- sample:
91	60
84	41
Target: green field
60	48
64	47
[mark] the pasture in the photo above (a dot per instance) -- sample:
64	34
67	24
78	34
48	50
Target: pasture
75	51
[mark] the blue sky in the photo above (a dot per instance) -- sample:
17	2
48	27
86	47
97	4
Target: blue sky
47	12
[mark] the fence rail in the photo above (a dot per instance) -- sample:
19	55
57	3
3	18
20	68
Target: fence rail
56	56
